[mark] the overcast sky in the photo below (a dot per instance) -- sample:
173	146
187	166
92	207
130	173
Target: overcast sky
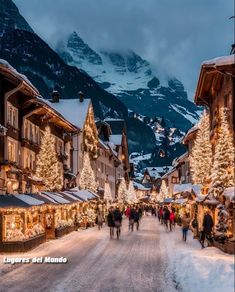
175	36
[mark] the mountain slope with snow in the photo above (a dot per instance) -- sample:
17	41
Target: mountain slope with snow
131	78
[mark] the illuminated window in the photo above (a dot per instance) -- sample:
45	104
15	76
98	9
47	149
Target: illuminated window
12	115
12	150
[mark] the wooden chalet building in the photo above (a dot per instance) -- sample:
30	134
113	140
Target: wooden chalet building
24	116
216	89
113	160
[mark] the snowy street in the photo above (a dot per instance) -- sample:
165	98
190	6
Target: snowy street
150	259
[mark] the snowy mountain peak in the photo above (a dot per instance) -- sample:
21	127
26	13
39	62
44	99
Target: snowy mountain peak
80	50
128	61
10	18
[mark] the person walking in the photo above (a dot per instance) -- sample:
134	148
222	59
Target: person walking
166	216
136	218
99	219
172	219
132	218
110	221
118	221
185	225
160	214
208	224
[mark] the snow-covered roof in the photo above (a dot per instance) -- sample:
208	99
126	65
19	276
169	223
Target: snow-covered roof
5	65
180	201
102	143
183	188
116	139
171	170
190	131
229	193
140	187
155	172
221	61
72	110
178	159
29	200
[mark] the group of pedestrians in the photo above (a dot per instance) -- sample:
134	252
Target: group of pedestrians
134	214
114	221
166	216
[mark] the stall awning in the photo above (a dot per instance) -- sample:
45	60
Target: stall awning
29	200
84	195
57	197
11	201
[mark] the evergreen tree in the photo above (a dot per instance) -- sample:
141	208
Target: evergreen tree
223	165
122	191
48	168
201	158
163	191
87	178
108	193
131	193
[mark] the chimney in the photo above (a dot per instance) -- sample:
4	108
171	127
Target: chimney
81	96
55	96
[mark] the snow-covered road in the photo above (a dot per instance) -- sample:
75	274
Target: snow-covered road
151	259
95	263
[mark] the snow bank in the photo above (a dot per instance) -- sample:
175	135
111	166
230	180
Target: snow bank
195	269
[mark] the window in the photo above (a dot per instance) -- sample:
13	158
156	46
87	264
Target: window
12	150
12	115
29	161
59	146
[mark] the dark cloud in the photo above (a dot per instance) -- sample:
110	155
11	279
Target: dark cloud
174	35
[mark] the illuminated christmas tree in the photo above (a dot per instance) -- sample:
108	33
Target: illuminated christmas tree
87	178
163	191
201	157
223	165
108	193
122	191
131	193
48	168
90	137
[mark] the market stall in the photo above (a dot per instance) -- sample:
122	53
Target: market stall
22	222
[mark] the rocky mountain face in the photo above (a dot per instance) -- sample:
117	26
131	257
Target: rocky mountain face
131	78
30	55
10	18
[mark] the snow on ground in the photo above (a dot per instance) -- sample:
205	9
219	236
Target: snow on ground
150	259
194	269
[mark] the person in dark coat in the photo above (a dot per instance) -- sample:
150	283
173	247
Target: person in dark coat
166	216
208	224
110	221
132	218
137	218
117	221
